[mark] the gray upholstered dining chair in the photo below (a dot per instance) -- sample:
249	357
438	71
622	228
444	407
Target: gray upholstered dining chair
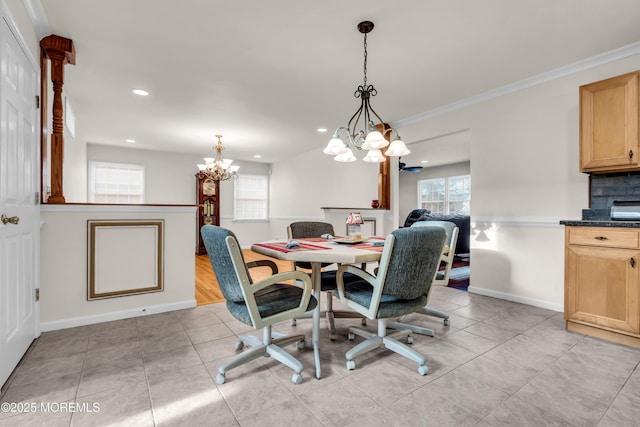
300	230
441	278
408	264
258	304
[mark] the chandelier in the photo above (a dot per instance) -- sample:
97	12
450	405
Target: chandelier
218	169
361	132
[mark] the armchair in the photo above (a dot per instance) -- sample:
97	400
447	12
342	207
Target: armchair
441	278
408	264
258	304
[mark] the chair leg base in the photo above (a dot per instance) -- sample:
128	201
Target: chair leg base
259	349
435	313
415	329
390	341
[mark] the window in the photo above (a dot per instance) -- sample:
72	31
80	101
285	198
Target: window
116	183
446	196
251	197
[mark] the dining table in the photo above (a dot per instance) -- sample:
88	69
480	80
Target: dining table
318	251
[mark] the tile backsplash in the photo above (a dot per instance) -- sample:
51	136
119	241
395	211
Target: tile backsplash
604	189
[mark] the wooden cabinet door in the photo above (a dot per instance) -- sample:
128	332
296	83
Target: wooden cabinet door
601	287
609	125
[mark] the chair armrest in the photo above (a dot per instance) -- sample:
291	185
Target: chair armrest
264	263
300	279
281	277
372	280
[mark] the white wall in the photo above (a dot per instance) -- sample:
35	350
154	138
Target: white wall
170	179
301	185
74	178
22	22
524	178
63	265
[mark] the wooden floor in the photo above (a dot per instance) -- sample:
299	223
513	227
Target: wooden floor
207	290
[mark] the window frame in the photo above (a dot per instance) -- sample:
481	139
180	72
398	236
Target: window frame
447	194
91	181
264	199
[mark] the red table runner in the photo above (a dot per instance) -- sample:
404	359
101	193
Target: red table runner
281	246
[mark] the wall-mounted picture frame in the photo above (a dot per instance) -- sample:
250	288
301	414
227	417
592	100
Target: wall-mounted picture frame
124	257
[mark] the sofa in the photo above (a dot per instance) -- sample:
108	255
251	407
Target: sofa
462	221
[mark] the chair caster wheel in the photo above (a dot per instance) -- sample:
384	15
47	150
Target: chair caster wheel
239	345
363	322
296	378
332	337
446	322
300	345
351	336
220	379
423	370
293	322
409	339
351	365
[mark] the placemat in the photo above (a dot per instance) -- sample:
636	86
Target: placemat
281	246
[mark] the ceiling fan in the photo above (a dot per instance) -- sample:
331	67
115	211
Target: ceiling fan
404	168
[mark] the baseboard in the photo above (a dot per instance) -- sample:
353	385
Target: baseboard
115	315
516	298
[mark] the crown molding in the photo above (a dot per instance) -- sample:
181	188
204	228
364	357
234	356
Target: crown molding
585	64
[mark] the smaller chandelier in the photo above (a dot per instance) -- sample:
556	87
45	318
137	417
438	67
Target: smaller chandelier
218	169
368	137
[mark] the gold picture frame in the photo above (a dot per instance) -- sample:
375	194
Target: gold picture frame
124	257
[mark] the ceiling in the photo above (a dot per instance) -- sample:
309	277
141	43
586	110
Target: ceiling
267	74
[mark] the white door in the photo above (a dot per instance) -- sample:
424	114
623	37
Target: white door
20	242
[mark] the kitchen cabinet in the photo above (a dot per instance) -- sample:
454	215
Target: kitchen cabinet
602	282
609	139
207	193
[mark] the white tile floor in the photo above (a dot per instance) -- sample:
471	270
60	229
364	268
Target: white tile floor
499	363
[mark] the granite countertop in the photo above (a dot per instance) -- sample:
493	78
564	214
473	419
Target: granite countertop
599	218
600	223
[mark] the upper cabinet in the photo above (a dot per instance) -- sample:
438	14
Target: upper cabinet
609	125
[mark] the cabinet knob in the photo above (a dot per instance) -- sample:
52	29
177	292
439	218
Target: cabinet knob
630	154
632	262
601	238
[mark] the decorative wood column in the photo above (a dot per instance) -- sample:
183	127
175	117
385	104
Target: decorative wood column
59	51
384	176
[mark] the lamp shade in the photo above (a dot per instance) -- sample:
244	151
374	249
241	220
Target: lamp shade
345	157
397	148
374	140
335	146
355	218
374	156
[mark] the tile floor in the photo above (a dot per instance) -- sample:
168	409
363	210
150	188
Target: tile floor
499	363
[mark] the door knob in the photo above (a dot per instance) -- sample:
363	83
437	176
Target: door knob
13	220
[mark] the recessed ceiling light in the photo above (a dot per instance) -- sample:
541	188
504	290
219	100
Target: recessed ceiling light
140	92
425	161
322	130
257	156
130	141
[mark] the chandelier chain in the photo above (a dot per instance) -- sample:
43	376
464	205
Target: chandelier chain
365	60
